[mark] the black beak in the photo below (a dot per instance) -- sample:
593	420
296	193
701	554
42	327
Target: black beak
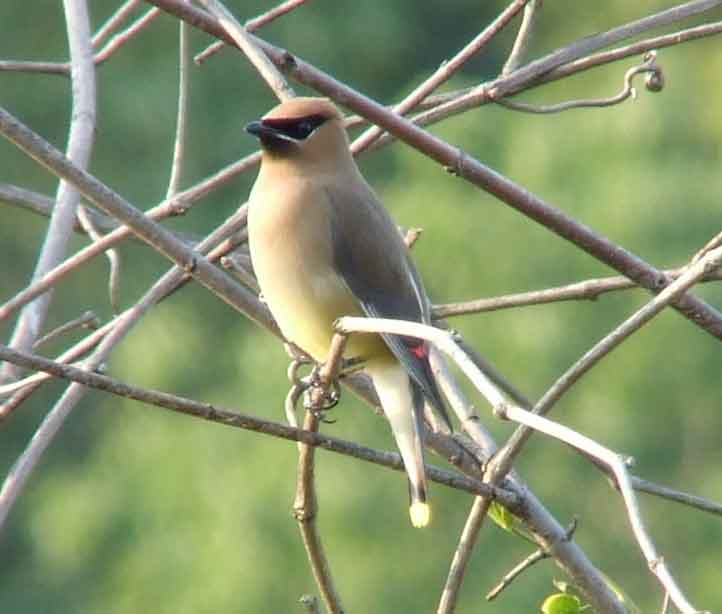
258	129
272	139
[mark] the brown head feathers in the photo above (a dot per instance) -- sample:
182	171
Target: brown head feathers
298	108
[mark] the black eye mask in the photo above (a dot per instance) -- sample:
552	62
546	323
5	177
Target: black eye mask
297	128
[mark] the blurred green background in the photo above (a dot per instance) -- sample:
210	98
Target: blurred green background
138	510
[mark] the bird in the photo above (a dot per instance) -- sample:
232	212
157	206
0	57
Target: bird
323	246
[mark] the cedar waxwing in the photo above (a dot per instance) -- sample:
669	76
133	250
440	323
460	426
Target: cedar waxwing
322	247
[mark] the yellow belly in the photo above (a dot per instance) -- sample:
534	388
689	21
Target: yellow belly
294	270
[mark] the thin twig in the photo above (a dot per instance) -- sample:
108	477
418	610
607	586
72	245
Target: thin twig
462	555
649	66
529	420
111	254
177	205
595	42
45	68
443	341
464	410
120	39
305	510
695	501
240	36
79	148
489	92
515	572
713	243
161	290
41	204
64	68
16	479
551	539
215	413
80	143
114	22
588	290
472	425
251	26
523	37
177	164
538	555
686	280
637	48
88	320
237	264
444	72
305	505
617	465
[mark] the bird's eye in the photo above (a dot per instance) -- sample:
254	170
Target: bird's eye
305	128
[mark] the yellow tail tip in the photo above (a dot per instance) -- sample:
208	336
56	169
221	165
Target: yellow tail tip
420	514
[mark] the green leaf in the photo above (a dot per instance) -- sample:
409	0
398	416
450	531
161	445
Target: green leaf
562	603
502	516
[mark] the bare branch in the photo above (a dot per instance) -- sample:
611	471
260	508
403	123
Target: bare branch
549	535
175	206
214	413
649	66
445	342
43	205
112	255
502	461
588	290
447	105
163	288
616	464
88	320
99	194
462	555
120	39
523	37
672	494
589	44
64	68
114	22
515	572
251	26
444	72
240	36
464	410
649	44
182	116
713	243
305	510
80	144
472	425
14	483
46	68
238	265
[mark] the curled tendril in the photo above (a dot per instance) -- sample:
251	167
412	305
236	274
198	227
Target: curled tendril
317	398
654	82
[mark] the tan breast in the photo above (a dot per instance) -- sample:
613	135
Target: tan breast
290	242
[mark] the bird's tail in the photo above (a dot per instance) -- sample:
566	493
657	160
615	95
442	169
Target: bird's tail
403	405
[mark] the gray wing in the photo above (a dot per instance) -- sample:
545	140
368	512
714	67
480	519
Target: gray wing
374	262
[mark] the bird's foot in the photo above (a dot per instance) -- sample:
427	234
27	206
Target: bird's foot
319	397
